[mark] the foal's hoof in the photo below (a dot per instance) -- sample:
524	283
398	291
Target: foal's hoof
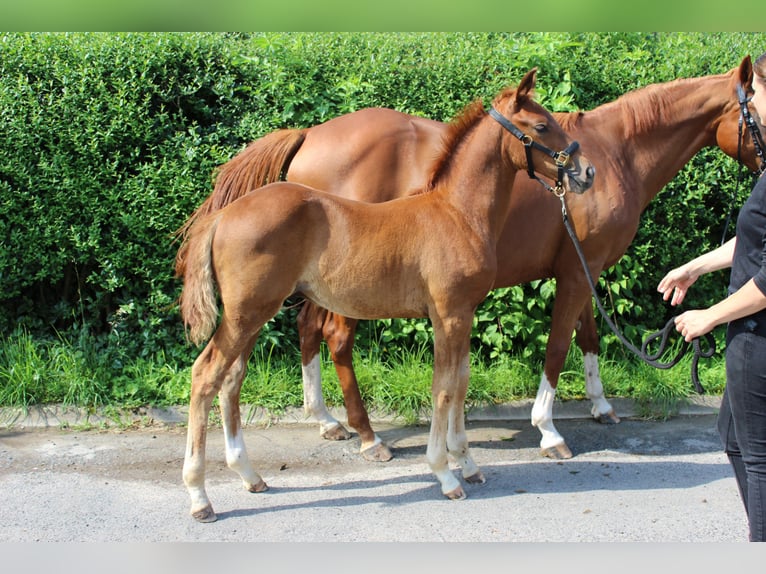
557	452
456	494
336	432
377	453
260	487
609	418
205	515
476	478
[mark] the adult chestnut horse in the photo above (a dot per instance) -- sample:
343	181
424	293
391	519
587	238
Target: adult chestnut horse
428	255
638	143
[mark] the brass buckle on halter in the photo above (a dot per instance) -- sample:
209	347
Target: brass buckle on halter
561	159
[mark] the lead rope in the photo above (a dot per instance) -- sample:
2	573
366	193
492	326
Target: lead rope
663	334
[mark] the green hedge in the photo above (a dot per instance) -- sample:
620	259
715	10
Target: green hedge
109	141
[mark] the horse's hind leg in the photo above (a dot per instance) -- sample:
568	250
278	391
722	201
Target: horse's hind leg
587	340
218	365
236	453
339	333
207	375
310	321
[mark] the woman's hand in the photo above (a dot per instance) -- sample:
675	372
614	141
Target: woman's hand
676	283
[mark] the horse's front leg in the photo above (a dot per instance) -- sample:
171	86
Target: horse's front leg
570	297
310	323
339	333
450	382
587	339
457	439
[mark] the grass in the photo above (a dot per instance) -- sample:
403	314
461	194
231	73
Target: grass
77	372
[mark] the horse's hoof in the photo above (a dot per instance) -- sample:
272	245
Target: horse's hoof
336	432
377	453
476	478
260	487
609	418
456	494
557	452
205	515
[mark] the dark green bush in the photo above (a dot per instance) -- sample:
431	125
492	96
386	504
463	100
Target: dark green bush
109	141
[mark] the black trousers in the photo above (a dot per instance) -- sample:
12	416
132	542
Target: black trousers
742	419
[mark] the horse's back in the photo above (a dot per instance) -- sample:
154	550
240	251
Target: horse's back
371	155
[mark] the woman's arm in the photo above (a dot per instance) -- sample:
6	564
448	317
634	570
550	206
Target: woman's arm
678	281
746	301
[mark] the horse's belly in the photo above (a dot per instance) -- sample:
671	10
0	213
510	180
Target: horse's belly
379	301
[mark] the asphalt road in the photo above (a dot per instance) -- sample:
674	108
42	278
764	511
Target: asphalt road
653	481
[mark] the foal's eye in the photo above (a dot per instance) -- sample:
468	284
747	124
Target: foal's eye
541	128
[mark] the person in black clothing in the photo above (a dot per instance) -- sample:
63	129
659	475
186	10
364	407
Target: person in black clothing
742	417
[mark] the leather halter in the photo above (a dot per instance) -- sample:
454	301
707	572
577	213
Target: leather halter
755	133
561	158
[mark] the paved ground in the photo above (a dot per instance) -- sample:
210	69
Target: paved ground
636	481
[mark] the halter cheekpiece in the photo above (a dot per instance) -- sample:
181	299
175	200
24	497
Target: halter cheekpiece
561	158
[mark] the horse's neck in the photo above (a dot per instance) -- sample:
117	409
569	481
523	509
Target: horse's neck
479	180
656	130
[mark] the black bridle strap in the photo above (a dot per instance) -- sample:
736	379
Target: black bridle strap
744	117
561	158
755	133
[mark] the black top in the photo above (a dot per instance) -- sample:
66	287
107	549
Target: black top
750	250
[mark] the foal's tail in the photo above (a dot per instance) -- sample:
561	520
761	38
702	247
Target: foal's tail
263	161
194	263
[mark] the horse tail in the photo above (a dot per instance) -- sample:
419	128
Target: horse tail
194	263
263	161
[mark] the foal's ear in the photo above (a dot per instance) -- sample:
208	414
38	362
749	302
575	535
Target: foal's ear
526	87
745	73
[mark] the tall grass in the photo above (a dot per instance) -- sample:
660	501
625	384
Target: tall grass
77	372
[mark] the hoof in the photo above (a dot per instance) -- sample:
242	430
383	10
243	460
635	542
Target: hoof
377	453
558	452
456	494
336	432
260	487
609	418
205	515
476	478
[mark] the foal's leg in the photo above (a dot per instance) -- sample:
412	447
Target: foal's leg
220	368
236	453
450	379
310	321
339	333
587	339
209	371
457	439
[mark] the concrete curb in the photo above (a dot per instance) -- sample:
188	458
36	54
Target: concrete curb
58	416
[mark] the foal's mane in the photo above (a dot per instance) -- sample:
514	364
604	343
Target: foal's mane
456	132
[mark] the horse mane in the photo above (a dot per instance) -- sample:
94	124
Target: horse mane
647	107
456	131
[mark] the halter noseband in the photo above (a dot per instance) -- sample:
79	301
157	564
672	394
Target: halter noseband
561	158
755	133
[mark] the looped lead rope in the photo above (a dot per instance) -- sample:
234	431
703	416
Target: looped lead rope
651	359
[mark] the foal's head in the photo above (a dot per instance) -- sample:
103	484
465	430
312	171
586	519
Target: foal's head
538	143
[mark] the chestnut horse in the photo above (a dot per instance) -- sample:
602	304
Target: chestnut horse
428	255
638	143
